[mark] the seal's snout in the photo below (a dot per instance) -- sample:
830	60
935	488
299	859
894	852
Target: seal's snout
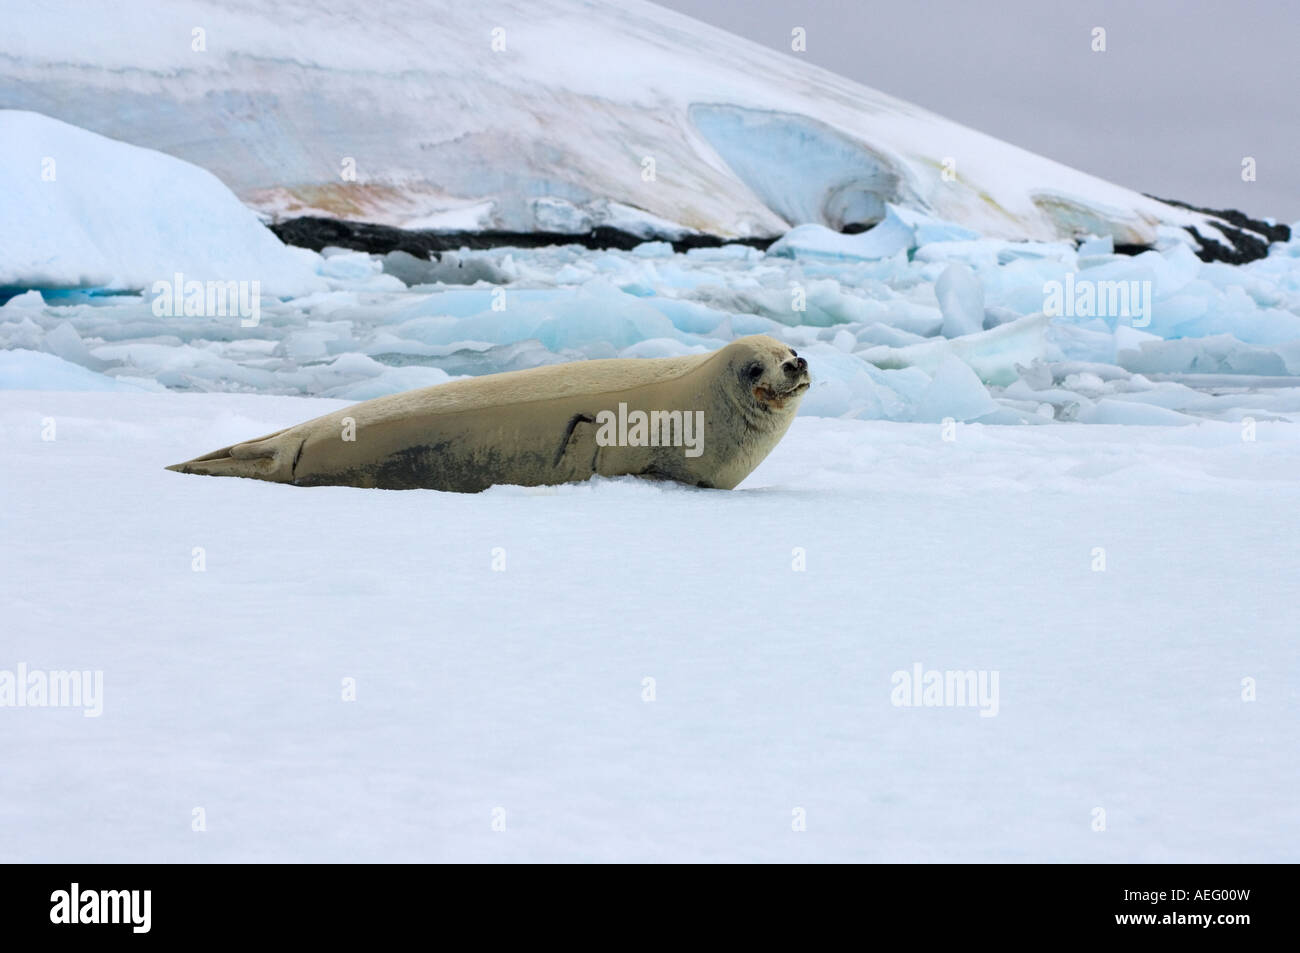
795	366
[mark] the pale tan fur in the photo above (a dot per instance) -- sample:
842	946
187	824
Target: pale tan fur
537	426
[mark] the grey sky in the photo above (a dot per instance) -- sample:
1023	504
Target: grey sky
1185	90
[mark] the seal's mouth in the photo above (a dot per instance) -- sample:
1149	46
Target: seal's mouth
777	399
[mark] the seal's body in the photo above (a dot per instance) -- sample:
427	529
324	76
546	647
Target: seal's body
554	424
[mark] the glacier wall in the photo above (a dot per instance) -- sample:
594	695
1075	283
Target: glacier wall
505	113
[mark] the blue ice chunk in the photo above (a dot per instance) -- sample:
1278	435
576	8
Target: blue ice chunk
961	299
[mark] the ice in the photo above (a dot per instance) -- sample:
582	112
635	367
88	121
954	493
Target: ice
839	182
31	370
63	341
882	334
453	268
388	380
1086	383
895	230
1107	411
1131	339
886	240
1093	246
928	229
954	391
877	338
653	250
554	214
980	254
993	354
25	301
961	299
995	316
352	266
115	216
725	253
1217	354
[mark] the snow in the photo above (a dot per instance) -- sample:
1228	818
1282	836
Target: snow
603	109
522	689
464	218
83	211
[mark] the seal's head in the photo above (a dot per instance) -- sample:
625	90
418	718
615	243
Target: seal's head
772	377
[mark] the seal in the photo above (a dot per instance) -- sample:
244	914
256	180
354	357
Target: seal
706	420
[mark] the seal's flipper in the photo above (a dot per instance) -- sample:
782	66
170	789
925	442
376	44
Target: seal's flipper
260	459
263	469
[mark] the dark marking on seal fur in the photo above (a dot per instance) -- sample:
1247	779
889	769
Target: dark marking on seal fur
296	457
568	435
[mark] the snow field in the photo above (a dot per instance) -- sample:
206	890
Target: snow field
523	689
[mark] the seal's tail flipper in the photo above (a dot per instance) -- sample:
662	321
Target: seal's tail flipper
259	459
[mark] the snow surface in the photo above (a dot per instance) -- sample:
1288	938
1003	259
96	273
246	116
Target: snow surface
83	211
745	140
522	689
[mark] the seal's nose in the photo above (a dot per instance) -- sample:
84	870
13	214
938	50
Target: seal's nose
795	366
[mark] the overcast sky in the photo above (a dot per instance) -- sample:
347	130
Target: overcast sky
1184	91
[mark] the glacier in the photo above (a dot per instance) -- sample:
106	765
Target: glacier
536	115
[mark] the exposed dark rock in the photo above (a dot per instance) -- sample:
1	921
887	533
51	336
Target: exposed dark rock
1274	232
1250	237
1131	249
1245	246
318	233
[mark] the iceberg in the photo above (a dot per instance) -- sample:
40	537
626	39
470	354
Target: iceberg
84	211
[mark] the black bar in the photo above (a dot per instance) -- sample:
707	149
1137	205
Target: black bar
936	903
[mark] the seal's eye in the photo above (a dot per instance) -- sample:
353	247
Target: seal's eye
754	371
